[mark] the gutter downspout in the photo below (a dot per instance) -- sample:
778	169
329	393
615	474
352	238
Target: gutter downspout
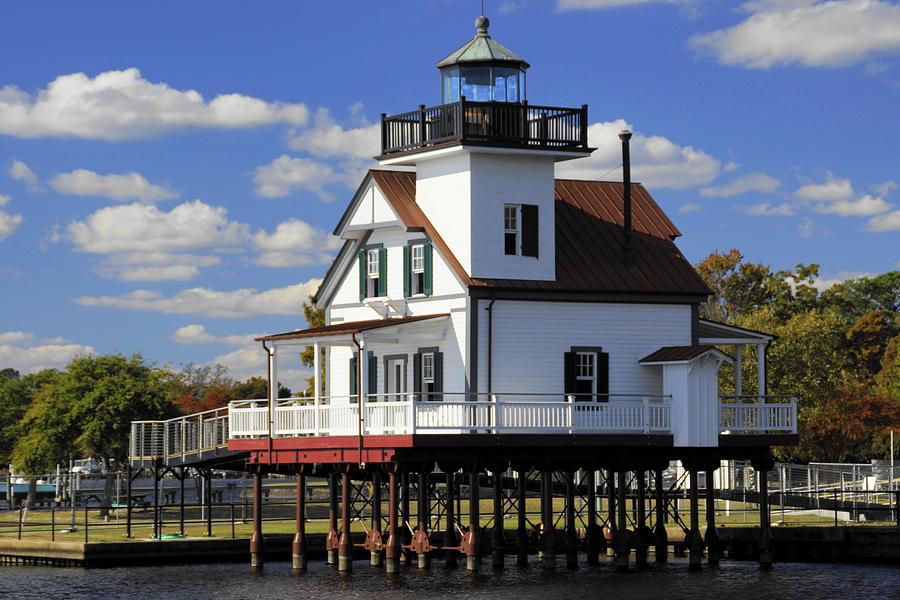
359	398
490	343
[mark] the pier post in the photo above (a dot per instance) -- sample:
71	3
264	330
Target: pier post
257	543
471	538
659	531
498	540
181	500
345	544
763	466
421	539
621	536
392	552
298	545
643	534
156	524
548	555
694	541
376	554
712	536
571	532
450	539
610	534
593	533
127	501
521	509
331	540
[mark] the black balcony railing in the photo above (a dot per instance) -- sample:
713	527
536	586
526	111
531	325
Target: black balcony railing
489	123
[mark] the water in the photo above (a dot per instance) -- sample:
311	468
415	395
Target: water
732	580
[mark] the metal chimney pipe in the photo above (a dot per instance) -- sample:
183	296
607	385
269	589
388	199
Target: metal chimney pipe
625	136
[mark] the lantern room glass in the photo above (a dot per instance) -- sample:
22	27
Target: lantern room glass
482	83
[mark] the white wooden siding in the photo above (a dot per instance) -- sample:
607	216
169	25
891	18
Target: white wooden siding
530	339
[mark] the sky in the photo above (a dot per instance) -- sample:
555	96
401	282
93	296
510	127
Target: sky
170	172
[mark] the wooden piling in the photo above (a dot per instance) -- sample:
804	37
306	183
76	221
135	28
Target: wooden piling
298	545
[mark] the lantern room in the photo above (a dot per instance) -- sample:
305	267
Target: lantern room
483	70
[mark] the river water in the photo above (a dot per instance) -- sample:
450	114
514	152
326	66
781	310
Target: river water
732	581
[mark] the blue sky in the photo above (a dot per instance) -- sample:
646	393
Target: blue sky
170	171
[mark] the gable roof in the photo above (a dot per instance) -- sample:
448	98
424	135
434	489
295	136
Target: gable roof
678	354
589	240
346	328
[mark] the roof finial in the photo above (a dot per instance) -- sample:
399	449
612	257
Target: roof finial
481	25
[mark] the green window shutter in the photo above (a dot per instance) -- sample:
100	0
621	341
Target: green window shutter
353	378
427	275
382	271
373	376
438	374
406	271
362	275
417	375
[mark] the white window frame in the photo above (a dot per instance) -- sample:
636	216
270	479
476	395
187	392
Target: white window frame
372	266
417	261
428	367
590	364
516	230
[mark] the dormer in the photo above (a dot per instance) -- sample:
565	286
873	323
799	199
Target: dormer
485	161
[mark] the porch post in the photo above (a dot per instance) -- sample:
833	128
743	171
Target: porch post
761	360
738	371
317	392
273	388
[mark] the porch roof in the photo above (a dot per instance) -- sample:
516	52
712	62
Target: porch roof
348	328
715	333
681	354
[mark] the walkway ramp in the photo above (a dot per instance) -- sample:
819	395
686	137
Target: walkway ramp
197	440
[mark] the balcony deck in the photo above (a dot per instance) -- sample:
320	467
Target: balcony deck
503	124
403	419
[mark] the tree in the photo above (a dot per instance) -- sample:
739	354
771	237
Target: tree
855	297
16	395
867	340
315	317
887	381
200	388
256	388
740	287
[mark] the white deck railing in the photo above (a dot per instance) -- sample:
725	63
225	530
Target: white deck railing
757	414
408	414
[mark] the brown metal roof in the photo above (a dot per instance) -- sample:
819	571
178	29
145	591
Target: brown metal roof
678	353
345	328
589	240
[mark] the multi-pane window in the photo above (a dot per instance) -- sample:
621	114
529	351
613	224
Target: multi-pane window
585	375
372	263
418	258
372	273
511	230
428	368
417	268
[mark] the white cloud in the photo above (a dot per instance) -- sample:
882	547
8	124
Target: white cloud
767	210
294	243
656	161
202	301
812	33
883	223
22	172
864	206
118	105
883	189
601	4
806	229
288	174
327	139
754	182
689	207
832	189
8	223
25	353
170	273
197	334
146	228
124	187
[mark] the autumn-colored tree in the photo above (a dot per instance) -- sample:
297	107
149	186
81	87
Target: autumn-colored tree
867	340
887	381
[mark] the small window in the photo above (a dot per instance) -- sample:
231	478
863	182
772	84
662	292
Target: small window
372	263
418	258
428	367
586	375
511	229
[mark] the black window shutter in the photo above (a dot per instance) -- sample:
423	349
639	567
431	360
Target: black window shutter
382	271
569	368
373	377
407	271
438	374
427	261
362	275
530	230
603	375
417	375
353	378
